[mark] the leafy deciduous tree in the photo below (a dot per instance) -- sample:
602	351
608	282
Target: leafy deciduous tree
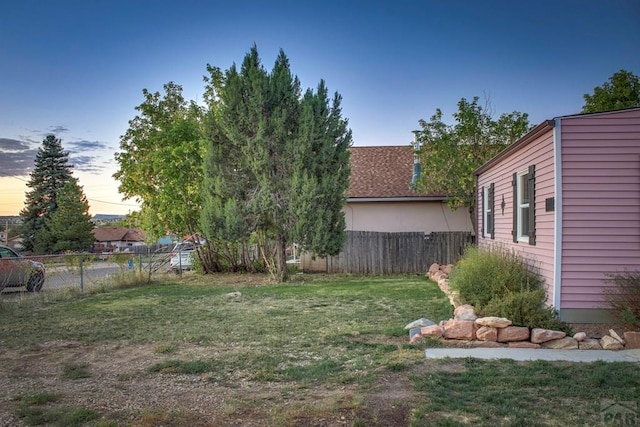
621	91
160	162
449	154
50	174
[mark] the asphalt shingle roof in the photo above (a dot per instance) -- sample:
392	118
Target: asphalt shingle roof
117	234
382	172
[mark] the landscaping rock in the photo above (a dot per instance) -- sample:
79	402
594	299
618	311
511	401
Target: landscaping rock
487	333
454	298
432	269
609	343
234	295
416	338
419	323
459	330
413	332
632	339
523	344
589	344
464	312
446	269
539	335
567	343
494	322
443	284
615	335
438	275
513	333
580	336
434	331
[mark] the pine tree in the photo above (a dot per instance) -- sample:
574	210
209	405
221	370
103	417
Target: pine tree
50	174
69	228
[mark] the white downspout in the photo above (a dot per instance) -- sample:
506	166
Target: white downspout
557	240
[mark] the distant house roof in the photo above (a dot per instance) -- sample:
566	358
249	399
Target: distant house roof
383	172
118	234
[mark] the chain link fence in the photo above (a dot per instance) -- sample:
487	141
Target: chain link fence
84	271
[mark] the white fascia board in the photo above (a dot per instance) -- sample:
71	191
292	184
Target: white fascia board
395	199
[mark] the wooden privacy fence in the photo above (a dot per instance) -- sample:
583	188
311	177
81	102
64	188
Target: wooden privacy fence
367	252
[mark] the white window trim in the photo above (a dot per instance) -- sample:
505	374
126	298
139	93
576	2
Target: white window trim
524	238
485	210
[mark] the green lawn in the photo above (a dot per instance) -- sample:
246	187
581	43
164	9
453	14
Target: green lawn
321	350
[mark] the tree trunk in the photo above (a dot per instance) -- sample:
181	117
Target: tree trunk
472	215
281	259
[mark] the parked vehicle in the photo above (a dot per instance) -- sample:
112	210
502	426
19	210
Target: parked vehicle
16	271
182	256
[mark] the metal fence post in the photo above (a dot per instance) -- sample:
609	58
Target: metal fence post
81	274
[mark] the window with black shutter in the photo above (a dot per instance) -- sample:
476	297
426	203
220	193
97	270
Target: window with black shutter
524	225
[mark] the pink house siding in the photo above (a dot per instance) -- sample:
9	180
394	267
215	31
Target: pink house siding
601	203
538	150
590	165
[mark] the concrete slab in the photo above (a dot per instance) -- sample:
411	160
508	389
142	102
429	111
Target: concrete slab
535	354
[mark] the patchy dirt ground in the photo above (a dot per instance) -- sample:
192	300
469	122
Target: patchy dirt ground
122	390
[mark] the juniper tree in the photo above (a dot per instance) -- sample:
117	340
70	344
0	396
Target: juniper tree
278	162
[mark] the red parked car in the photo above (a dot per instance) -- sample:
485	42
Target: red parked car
16	271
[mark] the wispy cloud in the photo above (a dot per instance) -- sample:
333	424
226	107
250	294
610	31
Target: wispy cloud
57	129
16	157
7	144
84	145
86	164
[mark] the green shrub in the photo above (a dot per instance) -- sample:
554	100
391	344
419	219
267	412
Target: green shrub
526	308
624	297
482	275
497	282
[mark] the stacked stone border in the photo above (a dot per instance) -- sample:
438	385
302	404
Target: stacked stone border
466	329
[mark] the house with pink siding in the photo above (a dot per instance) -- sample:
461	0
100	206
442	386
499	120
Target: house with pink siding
566	197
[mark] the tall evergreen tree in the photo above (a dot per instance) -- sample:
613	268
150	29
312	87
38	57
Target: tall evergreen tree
50	174
69	228
322	174
290	154
227	187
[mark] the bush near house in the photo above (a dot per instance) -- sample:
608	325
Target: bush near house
497	282
624	297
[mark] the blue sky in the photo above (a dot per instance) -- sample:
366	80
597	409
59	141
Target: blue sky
77	68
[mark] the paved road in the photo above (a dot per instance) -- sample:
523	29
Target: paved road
57	278
63	277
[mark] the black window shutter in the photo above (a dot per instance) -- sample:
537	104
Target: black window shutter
531	182
514	183
492	206
482	232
